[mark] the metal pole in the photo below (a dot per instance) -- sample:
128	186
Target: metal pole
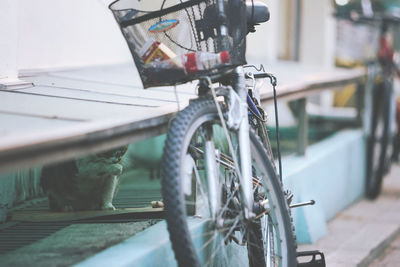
302	137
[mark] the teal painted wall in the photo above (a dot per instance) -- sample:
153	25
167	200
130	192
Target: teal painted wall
332	173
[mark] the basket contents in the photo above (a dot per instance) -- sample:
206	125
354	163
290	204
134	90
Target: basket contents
155	51
200	61
181	66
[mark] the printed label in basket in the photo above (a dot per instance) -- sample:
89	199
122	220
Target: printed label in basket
163	26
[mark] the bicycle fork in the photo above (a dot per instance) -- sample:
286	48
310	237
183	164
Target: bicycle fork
244	144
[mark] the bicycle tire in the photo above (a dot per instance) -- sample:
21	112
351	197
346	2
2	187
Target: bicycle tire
185	129
378	141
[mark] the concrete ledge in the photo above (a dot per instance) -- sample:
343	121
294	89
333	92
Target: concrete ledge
153	248
148	248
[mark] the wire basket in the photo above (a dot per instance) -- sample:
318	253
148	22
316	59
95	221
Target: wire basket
356	43
175	41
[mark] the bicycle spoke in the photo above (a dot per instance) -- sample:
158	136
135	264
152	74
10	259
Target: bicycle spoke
228	163
232	195
201	186
224	254
224	240
210	232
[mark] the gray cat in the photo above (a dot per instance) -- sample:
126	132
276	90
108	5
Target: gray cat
87	183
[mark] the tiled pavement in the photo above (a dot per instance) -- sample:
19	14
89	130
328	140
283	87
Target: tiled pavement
368	232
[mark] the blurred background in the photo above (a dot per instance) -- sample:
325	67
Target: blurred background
45	36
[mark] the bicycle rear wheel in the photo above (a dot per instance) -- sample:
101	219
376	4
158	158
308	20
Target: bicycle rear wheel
378	141
207	226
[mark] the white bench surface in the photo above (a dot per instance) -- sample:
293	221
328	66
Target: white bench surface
75	112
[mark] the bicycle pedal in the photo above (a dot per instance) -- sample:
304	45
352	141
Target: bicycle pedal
313	258
311	202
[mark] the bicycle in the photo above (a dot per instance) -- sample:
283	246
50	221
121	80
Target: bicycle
381	127
222	194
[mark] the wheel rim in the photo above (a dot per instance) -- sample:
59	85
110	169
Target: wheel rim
378	137
217	241
377	153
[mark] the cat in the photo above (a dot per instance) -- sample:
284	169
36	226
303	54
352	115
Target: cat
86	183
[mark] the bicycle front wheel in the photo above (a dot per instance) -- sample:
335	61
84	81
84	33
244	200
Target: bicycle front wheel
205	216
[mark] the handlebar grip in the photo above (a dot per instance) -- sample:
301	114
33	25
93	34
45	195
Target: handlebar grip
261	75
256	75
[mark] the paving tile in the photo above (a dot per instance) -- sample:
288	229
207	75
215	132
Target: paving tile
390	256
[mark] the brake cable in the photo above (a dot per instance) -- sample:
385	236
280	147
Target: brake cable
274	83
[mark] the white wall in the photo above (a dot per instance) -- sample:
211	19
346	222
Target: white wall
47	34
317	45
262	45
8	40
68	33
318	39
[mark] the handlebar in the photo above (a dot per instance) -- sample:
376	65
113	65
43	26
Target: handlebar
261	75
250	75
